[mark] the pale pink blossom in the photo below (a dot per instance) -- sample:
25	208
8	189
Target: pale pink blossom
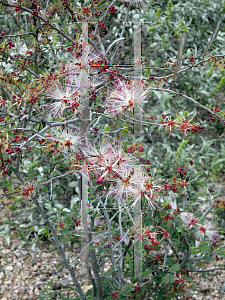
188	218
70	139
126	96
89	58
106	161
96	156
128	184
147	191
205	230
67	96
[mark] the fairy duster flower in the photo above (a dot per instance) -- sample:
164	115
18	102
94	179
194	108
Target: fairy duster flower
126	96
70	139
188	218
67	95
128	184
107	160
87	61
205	230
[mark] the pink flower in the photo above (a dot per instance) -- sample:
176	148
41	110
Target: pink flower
125	184
188	218
206	230
106	160
89	58
68	95
94	155
125	96
70	139
129	184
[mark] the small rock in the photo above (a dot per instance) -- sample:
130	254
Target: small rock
13	246
8	282
23	252
33	274
65	282
37	284
9	268
19	265
43	277
35	268
17	253
60	275
7	251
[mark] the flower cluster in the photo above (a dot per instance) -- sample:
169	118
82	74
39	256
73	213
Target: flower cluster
201	231
127	180
150	239
180	123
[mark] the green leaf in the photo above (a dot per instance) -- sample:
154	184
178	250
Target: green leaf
146	273
127	289
53	249
33	247
215	31
175	268
180	228
92	247
35	228
72	184
66	210
179	56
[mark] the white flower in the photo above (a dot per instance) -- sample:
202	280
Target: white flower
96	156
125	96
206	230
128	184
67	95
187	218
89	58
173	202
14	2
70	139
95	81
107	160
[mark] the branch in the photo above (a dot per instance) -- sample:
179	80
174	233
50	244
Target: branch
95	266
45	20
20	34
53	51
25	68
166	253
118	274
121	35
189	98
208	270
208	209
186	69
